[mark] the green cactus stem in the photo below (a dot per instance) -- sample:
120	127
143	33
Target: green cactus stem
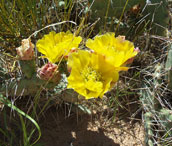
155	114
24	86
28	68
152	15
169	67
166	118
148	129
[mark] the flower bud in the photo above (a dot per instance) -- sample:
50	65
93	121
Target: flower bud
49	72
26	50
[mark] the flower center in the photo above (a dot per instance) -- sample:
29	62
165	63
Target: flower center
112	47
89	73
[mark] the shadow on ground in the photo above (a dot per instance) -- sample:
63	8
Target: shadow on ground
72	131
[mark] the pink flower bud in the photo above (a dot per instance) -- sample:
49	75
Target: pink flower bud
49	72
26	50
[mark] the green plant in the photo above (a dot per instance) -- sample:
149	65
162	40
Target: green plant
169	67
157	119
28	81
26	137
18	75
20	18
139	16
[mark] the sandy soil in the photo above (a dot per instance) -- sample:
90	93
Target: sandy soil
86	130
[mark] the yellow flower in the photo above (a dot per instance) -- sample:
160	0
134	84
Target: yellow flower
116	50
91	76
57	45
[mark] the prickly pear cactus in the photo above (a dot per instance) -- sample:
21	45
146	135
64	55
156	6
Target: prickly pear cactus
148	129
26	58
169	67
31	80
114	7
157	119
157	11
28	68
153	14
166	118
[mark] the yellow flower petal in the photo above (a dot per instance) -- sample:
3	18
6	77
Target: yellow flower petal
56	45
91	75
116	50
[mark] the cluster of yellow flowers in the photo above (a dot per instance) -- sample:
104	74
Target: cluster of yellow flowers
93	72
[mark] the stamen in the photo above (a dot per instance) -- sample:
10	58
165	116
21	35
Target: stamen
89	73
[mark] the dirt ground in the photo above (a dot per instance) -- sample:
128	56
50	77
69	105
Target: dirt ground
58	129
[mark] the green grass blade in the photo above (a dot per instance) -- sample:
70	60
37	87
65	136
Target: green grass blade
25	138
8	103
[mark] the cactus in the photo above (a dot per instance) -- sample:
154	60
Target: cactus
158	17
28	68
148	129
166	118
33	79
165	125
22	86
169	67
154	13
26	58
154	113
29	83
147	101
